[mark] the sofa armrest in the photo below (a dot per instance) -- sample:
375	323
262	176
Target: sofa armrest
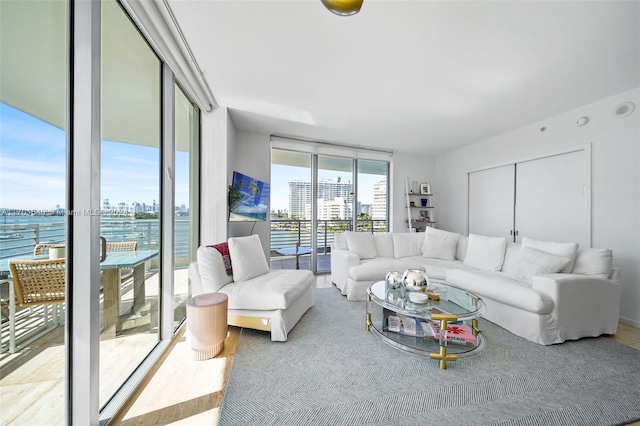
341	261
581	301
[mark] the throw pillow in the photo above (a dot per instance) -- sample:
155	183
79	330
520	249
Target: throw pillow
484	252
384	244
247	257
531	262
429	230
223	248
461	249
362	244
407	244
559	249
439	247
594	262
340	241
212	269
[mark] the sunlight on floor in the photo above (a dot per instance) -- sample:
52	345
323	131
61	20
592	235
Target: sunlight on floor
196	387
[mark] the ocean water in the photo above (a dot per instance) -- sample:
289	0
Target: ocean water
18	234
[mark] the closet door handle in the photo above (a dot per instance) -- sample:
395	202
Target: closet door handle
516	233
510	231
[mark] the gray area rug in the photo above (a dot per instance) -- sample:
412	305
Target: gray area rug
333	372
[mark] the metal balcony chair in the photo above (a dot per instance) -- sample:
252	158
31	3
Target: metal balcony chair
36	283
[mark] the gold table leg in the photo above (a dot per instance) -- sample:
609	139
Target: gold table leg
442	355
368	318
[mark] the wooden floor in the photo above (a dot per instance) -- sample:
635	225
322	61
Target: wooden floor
197	387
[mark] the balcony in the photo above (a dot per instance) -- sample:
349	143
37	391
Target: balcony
289	232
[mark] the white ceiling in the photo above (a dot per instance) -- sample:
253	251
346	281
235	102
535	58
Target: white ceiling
422	77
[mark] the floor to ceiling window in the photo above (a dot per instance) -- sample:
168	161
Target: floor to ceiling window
334	205
33	151
339	204
130	194
372	195
39	152
290	194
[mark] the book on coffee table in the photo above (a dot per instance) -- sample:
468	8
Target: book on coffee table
404	324
456	333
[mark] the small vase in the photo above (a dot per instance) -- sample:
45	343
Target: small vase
414	280
393	279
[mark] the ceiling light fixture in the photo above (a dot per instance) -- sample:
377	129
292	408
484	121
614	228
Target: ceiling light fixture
343	7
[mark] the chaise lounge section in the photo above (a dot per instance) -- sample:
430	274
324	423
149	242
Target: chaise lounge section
259	298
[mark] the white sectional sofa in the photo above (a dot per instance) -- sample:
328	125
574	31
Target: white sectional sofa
543	291
259	298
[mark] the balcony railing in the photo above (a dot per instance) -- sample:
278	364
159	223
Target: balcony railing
16	240
289	232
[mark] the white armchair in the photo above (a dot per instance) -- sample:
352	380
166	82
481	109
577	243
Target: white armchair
259	298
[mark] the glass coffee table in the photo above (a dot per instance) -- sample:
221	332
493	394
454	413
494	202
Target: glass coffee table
416	327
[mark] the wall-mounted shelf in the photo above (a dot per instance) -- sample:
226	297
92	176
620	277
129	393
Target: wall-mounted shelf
417	211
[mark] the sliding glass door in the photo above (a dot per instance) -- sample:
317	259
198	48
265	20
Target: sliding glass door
323	193
290	194
373	198
335	204
130	195
83	155
33	185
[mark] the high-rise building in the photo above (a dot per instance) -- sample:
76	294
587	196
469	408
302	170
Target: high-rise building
379	207
334	199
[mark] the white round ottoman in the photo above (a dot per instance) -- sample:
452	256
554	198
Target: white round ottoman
207	324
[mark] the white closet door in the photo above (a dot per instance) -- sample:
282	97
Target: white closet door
553	200
491	199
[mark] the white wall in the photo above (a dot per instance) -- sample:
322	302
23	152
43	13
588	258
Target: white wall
415	168
615	179
253	158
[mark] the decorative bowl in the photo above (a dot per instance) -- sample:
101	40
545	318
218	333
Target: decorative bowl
393	279
414	280
418	297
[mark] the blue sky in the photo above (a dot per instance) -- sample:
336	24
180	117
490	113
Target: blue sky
33	162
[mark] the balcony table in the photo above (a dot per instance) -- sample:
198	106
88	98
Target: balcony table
111	267
294	251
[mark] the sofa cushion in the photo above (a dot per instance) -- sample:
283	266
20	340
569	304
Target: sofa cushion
439	247
247	257
461	249
361	243
377	269
559	249
274	290
494	285
436	268
485	253
429	230
595	262
407	244
532	262
340	241
212	270
511	254
384	244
